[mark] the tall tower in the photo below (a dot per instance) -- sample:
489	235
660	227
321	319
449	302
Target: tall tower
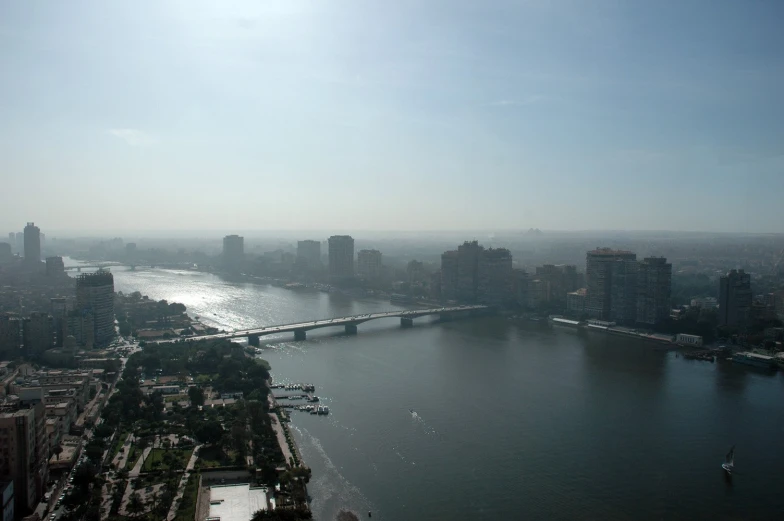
468	270
95	293
734	298
341	256
609	273
654	285
233	251
32	244
369	264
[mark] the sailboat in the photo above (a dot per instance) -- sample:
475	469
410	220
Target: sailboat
729	461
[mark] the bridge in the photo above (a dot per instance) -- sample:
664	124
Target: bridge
104	265
350	323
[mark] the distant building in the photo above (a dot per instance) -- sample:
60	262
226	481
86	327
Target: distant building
54	266
688	340
538	293
95	293
495	284
37	334
25	448
562	278
415	271
369	264
19	241
468	271
6	255
520	281
10	337
575	302
341	257
309	255
12	240
59	311
233	251
735	299
32	244
130	249
623	290
449	261
654	284
704	302
610	275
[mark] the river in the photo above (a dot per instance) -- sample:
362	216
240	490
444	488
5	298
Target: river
511	420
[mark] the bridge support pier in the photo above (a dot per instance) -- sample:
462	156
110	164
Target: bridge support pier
253	340
406	322
299	334
351	329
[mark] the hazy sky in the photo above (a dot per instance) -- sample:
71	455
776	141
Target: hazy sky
423	114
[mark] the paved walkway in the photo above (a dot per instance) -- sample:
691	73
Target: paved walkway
134	473
284	446
183	481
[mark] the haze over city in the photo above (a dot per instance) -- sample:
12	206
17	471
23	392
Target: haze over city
349	115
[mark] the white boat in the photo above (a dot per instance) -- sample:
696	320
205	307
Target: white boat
729	461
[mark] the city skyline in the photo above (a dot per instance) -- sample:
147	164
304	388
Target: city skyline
517	115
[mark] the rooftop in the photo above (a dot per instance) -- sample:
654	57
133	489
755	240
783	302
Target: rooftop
236	502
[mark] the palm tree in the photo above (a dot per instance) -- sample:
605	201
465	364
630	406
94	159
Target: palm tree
135	505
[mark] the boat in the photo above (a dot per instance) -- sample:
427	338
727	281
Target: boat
729	461
754	359
323	409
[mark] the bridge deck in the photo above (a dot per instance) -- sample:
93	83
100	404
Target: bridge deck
338	321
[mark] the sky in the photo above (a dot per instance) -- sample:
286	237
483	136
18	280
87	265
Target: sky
405	115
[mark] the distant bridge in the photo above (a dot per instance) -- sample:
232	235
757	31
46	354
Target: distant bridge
133	266
349	323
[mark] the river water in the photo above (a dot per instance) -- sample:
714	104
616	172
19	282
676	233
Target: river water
511	420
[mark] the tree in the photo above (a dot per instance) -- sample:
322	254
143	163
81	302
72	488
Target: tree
209	431
196	396
135	505
57	450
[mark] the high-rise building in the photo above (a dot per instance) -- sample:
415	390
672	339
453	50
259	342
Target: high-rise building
610	273
54	266
19	241
449	275
59	311
654	284
95	292
6	255
623	302
495	284
10	336
468	271
341	256
7	500
25	449
37	334
735	299
233	251
32	244
309	255
369	264
80	324
415	271
12	240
